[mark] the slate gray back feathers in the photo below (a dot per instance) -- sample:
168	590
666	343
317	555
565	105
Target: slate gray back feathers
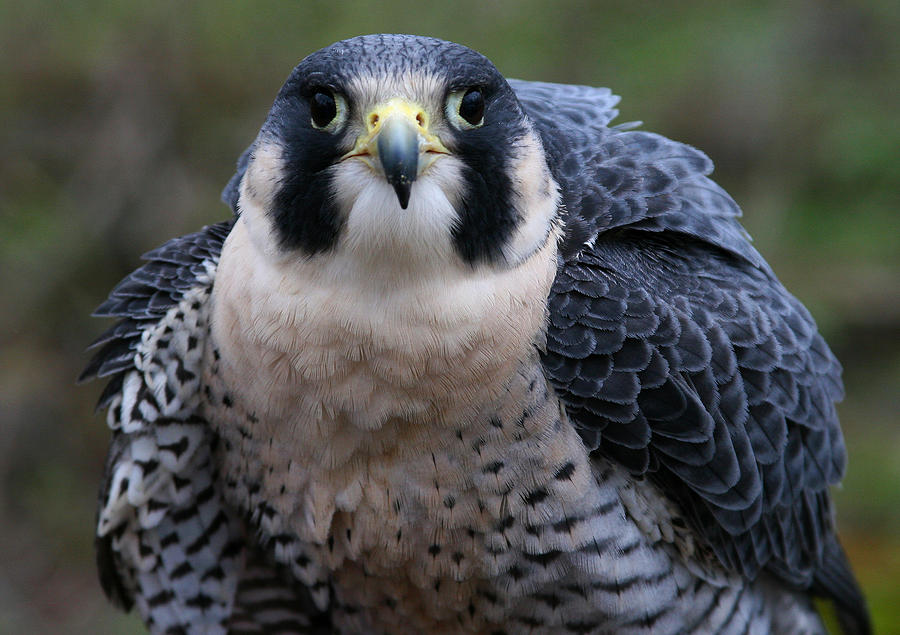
678	353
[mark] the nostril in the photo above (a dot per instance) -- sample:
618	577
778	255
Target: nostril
420	119
373	119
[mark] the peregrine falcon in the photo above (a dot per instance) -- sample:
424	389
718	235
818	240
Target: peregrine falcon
467	358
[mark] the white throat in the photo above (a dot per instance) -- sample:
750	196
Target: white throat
330	344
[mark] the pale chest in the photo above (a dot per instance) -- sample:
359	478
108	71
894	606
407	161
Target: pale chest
451	527
423	522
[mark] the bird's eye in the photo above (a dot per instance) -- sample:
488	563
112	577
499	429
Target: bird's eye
466	108
471	107
323	108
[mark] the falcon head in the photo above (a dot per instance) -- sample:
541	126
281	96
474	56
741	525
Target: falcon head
397	149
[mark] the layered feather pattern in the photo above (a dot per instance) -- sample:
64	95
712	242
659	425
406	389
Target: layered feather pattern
678	352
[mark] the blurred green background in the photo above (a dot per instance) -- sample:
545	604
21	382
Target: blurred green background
120	122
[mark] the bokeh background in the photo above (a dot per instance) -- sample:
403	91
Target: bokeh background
120	122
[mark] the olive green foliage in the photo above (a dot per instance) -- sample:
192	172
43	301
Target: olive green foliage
120	122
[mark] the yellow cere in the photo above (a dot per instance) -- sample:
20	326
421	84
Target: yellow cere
408	113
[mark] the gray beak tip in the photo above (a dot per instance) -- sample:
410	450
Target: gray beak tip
398	149
403	190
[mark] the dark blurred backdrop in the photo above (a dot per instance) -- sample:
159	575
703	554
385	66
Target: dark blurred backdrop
121	121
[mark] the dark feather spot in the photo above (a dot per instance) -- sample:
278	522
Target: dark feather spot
565	472
535	496
163	597
543	559
550	599
182	570
505	523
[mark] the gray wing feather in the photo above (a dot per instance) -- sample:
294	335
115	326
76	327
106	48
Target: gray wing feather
579	105
614	177
678	353
146	295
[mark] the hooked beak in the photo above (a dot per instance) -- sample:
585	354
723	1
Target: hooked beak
397	133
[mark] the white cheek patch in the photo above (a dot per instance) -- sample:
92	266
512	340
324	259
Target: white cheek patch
536	197
261	181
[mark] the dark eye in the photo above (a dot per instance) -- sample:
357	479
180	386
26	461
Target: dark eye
322	108
471	107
